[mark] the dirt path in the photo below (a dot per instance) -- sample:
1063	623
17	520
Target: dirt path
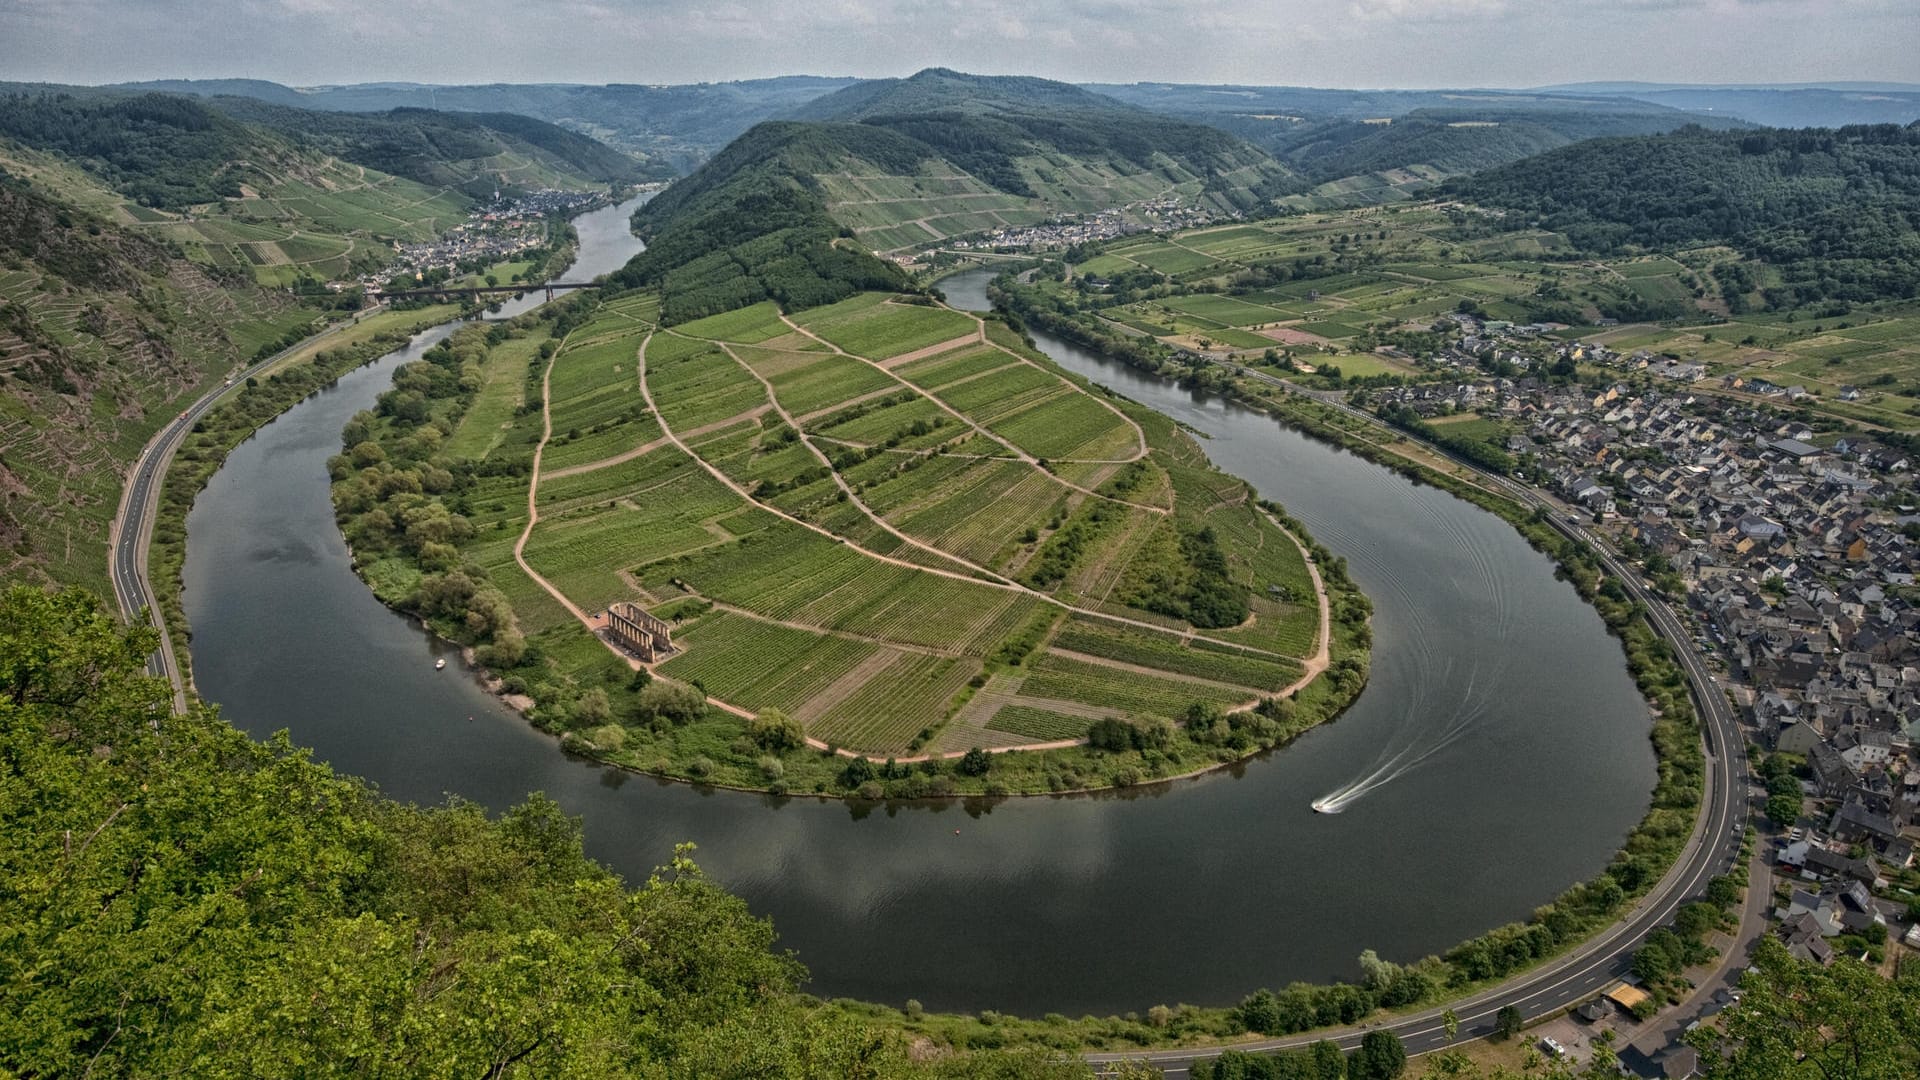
1017	452
1158	673
840	481
575	470
829	410
729	483
533	503
978	337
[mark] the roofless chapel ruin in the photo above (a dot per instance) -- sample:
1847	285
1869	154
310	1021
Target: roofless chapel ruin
638	632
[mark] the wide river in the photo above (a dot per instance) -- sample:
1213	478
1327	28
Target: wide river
1507	747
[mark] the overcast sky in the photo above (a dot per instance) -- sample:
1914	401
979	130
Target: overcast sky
1342	43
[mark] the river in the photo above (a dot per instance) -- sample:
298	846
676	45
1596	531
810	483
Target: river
1496	690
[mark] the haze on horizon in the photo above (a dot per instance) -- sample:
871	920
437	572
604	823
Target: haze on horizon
1333	43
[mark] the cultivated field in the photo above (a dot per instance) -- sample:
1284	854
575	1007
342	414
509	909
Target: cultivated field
1354	278
862	515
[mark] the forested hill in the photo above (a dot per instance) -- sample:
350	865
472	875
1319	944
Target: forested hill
438	148
792	210
1836	213
181	900
171	151
752	225
1451	140
986	124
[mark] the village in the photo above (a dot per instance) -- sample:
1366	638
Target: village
1163	214
1794	550
496	232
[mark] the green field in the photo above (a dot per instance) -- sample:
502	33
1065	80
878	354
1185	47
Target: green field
1331	286
867	565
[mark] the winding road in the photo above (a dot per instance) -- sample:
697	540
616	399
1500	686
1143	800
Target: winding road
1713	849
131	533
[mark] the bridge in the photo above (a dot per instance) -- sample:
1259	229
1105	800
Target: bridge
477	290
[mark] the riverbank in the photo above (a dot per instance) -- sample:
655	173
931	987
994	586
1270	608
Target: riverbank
304	370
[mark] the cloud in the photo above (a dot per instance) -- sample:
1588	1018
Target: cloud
1312	42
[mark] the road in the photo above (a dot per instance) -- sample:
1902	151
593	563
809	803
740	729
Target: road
132	529
1713	849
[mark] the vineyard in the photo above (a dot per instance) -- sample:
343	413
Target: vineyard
907	696
1035	723
863	550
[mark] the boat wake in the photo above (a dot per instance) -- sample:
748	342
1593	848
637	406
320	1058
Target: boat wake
1417	739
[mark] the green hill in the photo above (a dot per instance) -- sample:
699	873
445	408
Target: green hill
751	224
791	209
475	152
1005	150
287	195
103	334
171	151
1832	213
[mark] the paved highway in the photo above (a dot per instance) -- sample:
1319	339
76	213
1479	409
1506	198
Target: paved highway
132	529
1713	849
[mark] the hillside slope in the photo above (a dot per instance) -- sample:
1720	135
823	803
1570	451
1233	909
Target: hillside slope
1834	213
171	151
904	163
103	333
291	196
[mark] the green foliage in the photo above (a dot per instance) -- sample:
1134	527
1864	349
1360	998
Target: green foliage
182	900
1186	576
776	731
157	149
1379	1057
1836	211
1507	1023
1797	1020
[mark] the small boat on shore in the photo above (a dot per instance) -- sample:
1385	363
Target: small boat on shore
440	663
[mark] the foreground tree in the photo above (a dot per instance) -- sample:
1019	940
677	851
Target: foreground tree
1798	1019
176	899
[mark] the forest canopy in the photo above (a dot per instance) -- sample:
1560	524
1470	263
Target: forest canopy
176	898
1835	212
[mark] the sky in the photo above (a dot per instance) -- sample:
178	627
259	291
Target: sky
1336	43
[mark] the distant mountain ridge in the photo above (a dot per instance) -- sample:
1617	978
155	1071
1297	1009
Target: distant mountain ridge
171	150
905	162
671	128
792	208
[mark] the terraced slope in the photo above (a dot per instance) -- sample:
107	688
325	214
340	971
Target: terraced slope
102	333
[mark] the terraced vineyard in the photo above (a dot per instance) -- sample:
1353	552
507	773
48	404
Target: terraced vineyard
850	516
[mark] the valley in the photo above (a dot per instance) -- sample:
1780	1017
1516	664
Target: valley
1126	578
